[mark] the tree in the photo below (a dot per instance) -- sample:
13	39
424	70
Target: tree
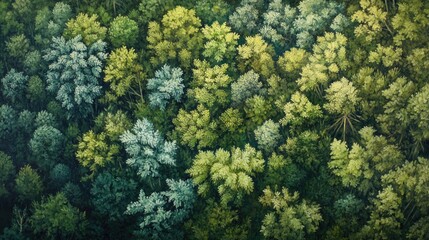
245	87
299	26
306	149
213	11
196	128
288	219
147	149
268	135
372	19
73	73
385	220
209	85
94	151
315	18
100	147
281	171
256	55
217	221
8	117
123	31
46	146
177	37
245	17
153	10
110	194
410	22
387	55
220	43
60	174
18	46
7	170
162	211
342	99
362	166
326	62
300	111
87	27
395	118
50	24
277	24
293	61
258	109
14	84
45	118
419	114
36	90
166	85
123	73
230	173
28	184
54	217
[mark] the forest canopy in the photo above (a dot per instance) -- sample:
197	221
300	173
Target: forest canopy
214	119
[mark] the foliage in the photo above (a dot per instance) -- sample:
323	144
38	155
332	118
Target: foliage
46	145
328	59
87	27
196	128
73	73
268	135
14	84
288	218
28	184
361	166
162	210
245	87
209	84
220	43
177	37
123	73
256	54
55	217
167	85
7	170
123	32
147	149
229	172
110	194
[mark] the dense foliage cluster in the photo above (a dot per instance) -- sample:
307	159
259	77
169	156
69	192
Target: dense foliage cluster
214	119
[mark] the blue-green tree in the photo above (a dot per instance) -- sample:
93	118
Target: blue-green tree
110	195
74	73
162	211
46	145
165	86
14	86
147	149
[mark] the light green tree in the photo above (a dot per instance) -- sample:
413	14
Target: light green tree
209	85
256	55
229	172
327	61
288	218
87	27
178	36
342	101
196	128
124	74
219	43
362	166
